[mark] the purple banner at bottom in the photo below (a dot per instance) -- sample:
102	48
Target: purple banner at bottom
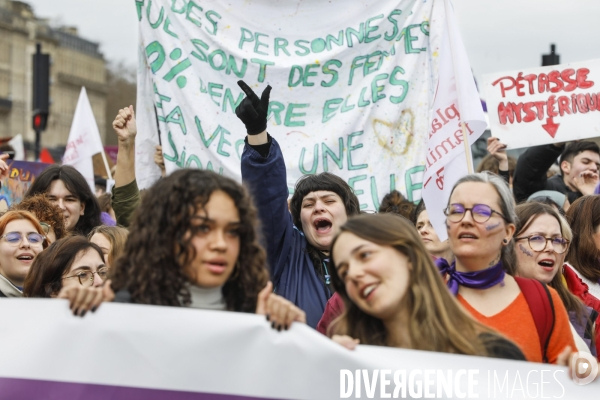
29	389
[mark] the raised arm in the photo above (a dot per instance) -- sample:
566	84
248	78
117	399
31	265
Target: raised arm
530	173
126	195
263	172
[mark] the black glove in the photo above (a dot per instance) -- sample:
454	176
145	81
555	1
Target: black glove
252	110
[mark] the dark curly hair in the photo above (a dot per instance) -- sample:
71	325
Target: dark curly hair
152	267
45	211
78	186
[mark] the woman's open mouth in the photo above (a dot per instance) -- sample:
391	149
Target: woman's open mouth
322	225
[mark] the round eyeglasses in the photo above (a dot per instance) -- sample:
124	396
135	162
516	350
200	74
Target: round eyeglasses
15	238
479	212
86	278
538	243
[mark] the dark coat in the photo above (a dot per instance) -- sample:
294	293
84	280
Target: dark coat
292	271
530	174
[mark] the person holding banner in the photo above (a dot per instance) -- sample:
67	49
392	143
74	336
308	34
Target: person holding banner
543	238
193	243
434	246
481	277
297	242
579	166
71	268
68	189
21	240
394	296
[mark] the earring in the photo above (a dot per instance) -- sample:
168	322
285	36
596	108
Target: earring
505	241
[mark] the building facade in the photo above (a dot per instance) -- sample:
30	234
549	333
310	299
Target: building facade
74	62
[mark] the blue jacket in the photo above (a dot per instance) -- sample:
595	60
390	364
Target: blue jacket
292	272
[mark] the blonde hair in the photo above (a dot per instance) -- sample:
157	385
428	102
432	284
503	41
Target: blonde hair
117	236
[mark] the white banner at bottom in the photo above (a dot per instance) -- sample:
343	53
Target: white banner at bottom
146	352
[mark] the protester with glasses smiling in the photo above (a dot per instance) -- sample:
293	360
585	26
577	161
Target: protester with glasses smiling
74	269
542	239
481	222
21	240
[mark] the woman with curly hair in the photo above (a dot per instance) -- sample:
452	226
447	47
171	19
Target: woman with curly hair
50	216
193	243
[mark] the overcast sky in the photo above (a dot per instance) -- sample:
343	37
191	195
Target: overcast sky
500	35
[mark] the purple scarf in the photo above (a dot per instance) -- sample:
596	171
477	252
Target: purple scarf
483	279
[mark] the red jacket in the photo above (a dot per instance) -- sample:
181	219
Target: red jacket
580	288
333	309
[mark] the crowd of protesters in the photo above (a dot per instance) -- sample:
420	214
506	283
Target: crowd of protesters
511	281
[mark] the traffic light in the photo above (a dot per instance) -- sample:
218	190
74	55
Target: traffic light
41	89
39	121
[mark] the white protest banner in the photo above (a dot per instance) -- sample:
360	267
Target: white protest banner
542	105
456	102
84	140
126	351
352	84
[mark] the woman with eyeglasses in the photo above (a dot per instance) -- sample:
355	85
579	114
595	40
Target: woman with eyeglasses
21	240
481	221
74	269
542	241
50	216
583	269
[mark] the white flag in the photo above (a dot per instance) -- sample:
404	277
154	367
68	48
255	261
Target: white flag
17	144
456	101
84	140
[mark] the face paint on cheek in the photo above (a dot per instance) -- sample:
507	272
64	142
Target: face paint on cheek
524	250
490	227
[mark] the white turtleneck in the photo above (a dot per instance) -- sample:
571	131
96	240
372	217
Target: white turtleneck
207	298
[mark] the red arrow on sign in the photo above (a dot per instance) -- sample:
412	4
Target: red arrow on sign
550	127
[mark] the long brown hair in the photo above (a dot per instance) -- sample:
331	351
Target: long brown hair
153	265
437	321
583	255
527	213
